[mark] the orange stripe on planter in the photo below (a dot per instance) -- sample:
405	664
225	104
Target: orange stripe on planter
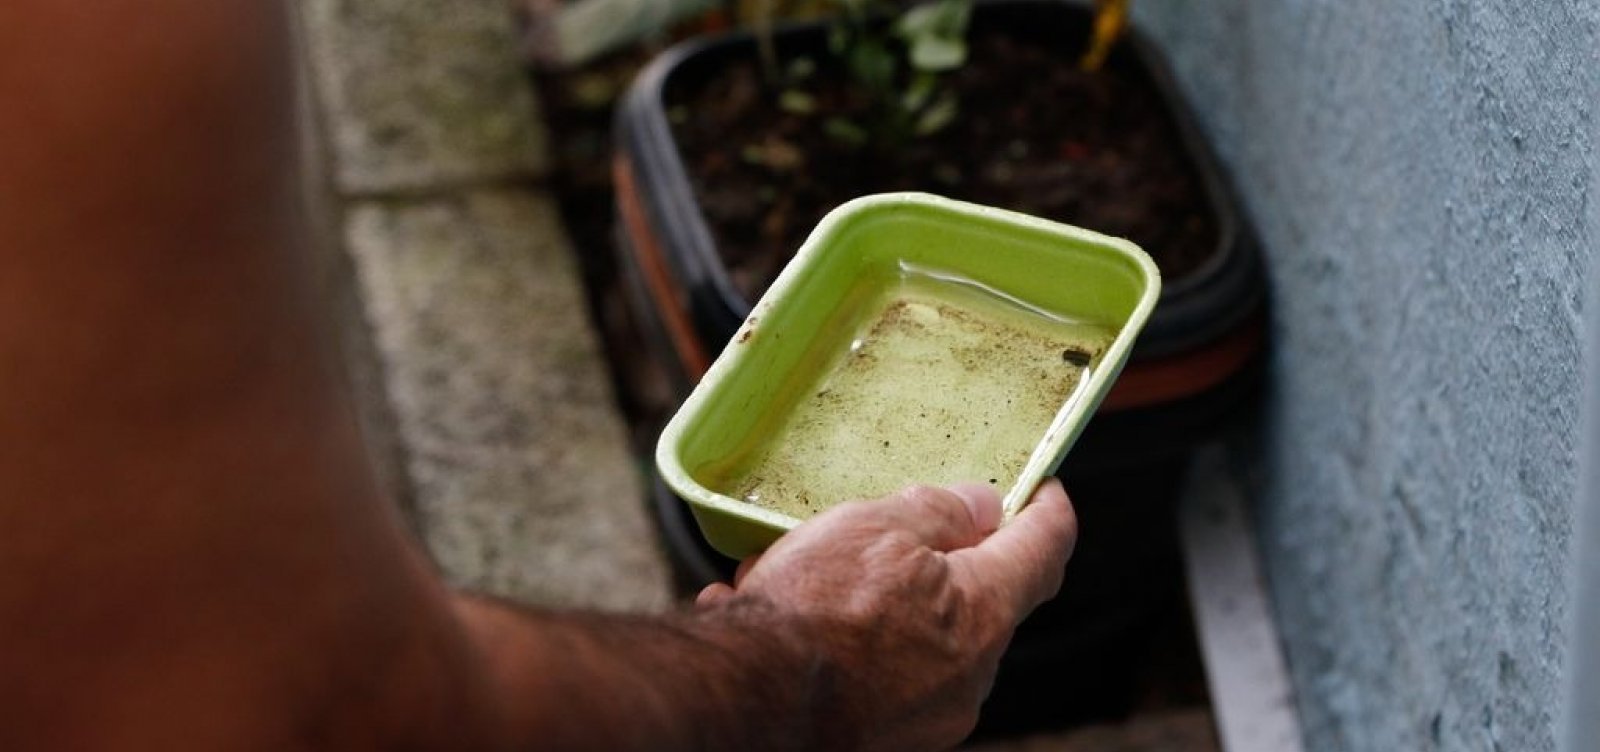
662	290
1151	382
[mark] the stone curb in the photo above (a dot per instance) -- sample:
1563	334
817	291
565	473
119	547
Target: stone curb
521	478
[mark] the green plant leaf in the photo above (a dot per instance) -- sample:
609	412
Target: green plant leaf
801	68
919	21
775	154
872	64
937	117
937	54
947	18
919	92
845	132
838	38
797	102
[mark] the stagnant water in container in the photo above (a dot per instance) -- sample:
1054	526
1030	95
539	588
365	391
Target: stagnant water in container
945	381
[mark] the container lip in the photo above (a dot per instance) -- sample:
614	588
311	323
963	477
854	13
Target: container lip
1196	306
1048	451
641	120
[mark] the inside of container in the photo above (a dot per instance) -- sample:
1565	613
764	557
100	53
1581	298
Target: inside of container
848	265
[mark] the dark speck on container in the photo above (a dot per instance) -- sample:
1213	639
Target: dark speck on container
1076	357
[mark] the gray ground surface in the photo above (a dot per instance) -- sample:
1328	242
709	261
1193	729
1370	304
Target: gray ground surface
484	393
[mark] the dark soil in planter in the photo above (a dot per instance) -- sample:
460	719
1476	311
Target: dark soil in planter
1034	134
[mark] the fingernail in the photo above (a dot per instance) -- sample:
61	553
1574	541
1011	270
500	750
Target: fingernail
983	503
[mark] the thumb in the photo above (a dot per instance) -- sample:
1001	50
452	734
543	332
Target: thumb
1027	557
713	594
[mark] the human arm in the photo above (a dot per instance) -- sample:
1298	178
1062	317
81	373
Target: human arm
193	552
876	626
192	549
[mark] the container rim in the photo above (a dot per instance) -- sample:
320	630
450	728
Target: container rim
1047	453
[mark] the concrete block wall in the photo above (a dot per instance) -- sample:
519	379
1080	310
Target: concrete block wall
1424	178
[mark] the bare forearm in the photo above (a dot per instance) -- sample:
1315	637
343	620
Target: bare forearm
194	552
738	676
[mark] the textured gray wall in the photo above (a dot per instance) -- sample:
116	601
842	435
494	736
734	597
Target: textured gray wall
1424	177
1582	707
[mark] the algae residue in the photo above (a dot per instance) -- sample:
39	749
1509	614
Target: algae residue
941	384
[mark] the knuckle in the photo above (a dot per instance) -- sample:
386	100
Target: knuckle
896	542
855	513
935	501
848	508
921	493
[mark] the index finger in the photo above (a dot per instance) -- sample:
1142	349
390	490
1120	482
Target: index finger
1026	557
943	519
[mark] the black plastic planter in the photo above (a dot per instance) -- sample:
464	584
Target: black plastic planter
1196	366
1192	365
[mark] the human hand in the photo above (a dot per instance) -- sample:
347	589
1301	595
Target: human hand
908	602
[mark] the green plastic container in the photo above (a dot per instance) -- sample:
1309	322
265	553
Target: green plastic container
811	313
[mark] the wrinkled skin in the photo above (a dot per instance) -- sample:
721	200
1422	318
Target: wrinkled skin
913	598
